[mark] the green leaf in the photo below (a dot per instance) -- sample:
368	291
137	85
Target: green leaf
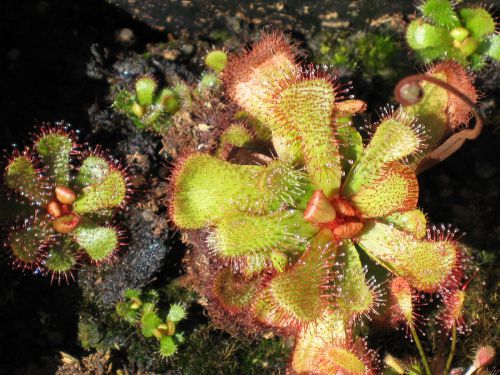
123	102
243	234
428	55
311	342
468	46
152	296
21	176
440	12
26	242
107	194
149	323
413	221
61	257
179	336
478	21
167	346
356	297
207	189
425	264
93	170
304	302
169	100
350	146
149	306
209	81
420	35
431	110
183	92
236	135
234	291
306	107
132	294
54	149
145	88
98	242
396	137
253	264
157	120
394	188
216	60
477	61
176	313
271	64
126	313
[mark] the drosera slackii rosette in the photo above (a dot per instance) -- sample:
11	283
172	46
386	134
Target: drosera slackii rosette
75	195
281	238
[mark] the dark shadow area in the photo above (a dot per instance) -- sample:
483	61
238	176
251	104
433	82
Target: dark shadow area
203	15
45	49
46	46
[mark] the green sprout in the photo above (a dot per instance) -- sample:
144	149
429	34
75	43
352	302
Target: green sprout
72	212
151	107
216	61
147	106
466	35
281	239
140	309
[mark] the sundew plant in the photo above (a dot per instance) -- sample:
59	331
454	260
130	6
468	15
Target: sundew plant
465	34
74	195
307	236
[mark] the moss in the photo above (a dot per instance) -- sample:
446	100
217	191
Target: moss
370	53
218	353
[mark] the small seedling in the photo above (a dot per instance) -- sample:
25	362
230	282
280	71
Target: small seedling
140	309
147	106
215	61
466	35
152	107
72	211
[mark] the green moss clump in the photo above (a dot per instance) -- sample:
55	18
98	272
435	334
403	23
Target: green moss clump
218	353
370	53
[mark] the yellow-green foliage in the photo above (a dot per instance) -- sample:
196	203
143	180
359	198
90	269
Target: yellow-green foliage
141	310
72	211
279	236
466	35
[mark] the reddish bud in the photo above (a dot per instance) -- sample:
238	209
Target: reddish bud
64	194
66	224
343	207
347	230
53	209
65	209
319	209
350	107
